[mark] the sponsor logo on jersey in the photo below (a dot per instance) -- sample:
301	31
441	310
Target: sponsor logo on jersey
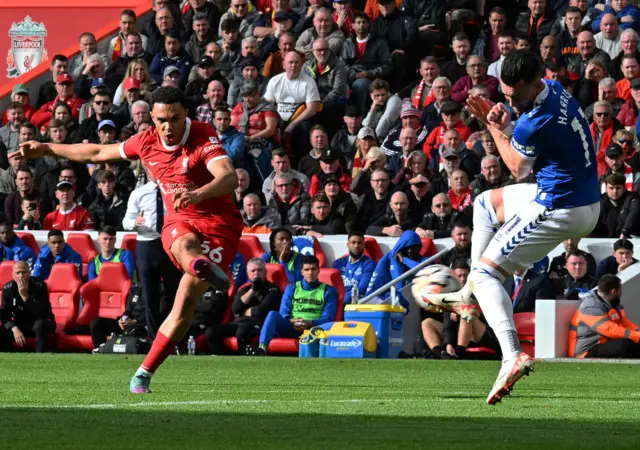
528	150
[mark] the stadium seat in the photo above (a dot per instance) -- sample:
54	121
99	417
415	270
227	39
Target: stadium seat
428	247
84	246
29	240
372	249
64	294
6	272
289	346
129	243
526	327
250	247
277	275
319	253
201	341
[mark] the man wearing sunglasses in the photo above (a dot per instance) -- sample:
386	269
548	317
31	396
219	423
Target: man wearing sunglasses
101	110
243	12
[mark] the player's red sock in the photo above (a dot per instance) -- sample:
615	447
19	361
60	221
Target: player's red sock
162	347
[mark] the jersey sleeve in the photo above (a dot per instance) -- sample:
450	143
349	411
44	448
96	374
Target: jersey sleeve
212	150
130	149
526	131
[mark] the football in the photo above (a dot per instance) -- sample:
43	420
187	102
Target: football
436	279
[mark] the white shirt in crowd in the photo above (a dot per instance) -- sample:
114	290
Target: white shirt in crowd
289	95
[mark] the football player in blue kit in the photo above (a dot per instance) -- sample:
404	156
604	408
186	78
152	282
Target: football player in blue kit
551	137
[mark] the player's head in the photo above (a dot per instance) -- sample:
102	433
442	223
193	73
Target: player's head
55	241
310	268
610	288
520	79
280	243
169	113
355	244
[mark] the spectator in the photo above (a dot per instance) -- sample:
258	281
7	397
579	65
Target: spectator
571	25
274	65
558	266
125	181
172	55
196	8
459	193
526	286
385	109
88	46
625	139
451	120
134	50
25	311
400	30
629	46
538	22
281	21
20	94
69	216
355	267
291	201
250	73
405	255
585	89
400	162
410	119
10	132
243	12
309	164
322	220
100	106
420	91
163	24
232	139
280	163
329	167
258	219
487	43
109	208
608	39
628	115
244	187
365	160
461	235
438	223
608	92
491	177
323	27
55	251
48	90
145	215
457	67
30	219
396	220
614	158
281	252
118	45
13	249
577	282
109	253
136	77
141	117
367	58
215	99
630	70
626	13
203	33
255	117
415	165
342	205
230	46
305	304
251	305
64	87
197	91
477	74
587	53
94	73
600	327
506	44
376	200
345	139
131	322
602	131
132	93
621	259
24	188
430	116
619	210
297	100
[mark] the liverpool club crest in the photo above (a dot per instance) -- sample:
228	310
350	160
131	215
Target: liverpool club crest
27	47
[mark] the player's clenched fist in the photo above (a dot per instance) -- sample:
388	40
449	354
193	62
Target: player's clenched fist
499	116
184	199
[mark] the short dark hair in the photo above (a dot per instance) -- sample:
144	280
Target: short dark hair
615	179
521	65
460	37
66	165
318	127
497	10
201	16
222	109
56	123
507	33
320	198
355	233
633	57
229	25
27	124
522	36
576	252
107	229
102	93
59	57
461	222
6	223
173	34
429	60
54	233
130	13
311	260
167	95
608	282
23	169
15	105
279	152
460	263
573	9
360	15
625	244
378	84
105	175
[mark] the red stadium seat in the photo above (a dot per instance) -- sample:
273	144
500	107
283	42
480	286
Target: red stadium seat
428	247
372	249
83	245
129	243
64	295
277	275
319	253
526	327
250	247
6	272
106	295
29	240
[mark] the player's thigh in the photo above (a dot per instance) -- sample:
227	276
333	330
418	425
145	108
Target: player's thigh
533	231
515	197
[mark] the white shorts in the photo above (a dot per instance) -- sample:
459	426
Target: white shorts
531	230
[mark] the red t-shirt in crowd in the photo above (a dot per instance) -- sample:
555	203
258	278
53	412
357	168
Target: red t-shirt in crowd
75	219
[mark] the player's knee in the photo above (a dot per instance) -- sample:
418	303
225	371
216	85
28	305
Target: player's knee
483	271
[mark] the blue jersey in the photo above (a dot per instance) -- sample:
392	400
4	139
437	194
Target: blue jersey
556	134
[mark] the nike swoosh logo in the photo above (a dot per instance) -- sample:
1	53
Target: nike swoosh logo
445	301
153	163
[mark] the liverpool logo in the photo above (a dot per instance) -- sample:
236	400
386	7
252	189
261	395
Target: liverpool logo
27	47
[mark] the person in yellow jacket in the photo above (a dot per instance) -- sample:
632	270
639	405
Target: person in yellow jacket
600	327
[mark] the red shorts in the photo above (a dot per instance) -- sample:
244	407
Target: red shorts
219	244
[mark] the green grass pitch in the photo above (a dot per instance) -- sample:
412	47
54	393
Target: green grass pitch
82	401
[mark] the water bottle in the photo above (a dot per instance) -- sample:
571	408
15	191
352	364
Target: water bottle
191	346
354	293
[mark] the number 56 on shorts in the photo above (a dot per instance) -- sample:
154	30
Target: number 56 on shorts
214	254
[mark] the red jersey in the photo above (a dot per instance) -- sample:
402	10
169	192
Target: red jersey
184	168
75	219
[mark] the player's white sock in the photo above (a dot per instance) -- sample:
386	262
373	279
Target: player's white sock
485	225
486	284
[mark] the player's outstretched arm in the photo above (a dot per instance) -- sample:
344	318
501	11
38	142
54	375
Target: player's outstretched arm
85	153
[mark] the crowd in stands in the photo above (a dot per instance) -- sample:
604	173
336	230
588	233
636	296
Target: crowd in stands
343	117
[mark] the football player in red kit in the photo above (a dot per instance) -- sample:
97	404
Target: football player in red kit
203	225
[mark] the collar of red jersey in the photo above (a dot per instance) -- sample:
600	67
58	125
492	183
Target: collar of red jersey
64	213
183	141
